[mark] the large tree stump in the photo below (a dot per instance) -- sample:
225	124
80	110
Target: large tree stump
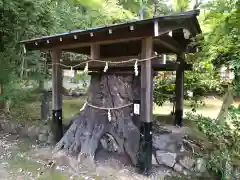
83	136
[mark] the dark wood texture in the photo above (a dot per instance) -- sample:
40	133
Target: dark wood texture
171	44
145	148
45	106
56	80
179	91
161	44
57	126
146	81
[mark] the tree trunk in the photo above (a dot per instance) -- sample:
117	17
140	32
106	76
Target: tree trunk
83	136
2	101
227	102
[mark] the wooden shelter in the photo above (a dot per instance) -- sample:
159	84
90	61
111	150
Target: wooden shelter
129	43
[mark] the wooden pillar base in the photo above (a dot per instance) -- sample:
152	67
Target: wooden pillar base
178	117
145	149
57	126
179	92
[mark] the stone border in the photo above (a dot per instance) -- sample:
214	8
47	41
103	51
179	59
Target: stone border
39	132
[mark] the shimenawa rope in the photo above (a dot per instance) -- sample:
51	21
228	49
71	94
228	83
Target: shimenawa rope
104	108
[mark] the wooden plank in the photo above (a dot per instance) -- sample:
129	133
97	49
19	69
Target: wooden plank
93	66
103	42
179	91
132	48
95	51
169	43
121	73
57	126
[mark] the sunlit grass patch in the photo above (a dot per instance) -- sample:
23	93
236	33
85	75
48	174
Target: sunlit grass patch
72	107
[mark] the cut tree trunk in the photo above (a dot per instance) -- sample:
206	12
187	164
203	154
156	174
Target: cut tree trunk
82	139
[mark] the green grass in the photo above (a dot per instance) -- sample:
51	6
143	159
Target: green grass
72	107
30	112
28	165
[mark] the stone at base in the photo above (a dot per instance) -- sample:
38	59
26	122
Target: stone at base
200	165
166	158
42	138
50	139
187	162
178	168
154	161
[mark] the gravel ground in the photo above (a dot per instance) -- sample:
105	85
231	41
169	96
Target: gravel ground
22	159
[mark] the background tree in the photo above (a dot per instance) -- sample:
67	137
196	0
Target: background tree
20	20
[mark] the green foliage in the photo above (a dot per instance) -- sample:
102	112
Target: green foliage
90	3
83	78
221	43
21	20
27	19
181	5
164	89
225	140
219	46
200	81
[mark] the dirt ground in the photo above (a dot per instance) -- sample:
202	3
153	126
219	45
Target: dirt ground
22	159
211	109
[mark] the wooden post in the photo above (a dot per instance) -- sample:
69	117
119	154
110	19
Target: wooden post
179	91
146	108
95	51
45	110
57	126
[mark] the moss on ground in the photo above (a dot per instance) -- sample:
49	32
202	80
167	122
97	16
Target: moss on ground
72	107
30	112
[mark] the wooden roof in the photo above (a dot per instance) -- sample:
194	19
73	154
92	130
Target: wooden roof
124	39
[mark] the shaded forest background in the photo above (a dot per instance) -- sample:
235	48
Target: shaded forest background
27	19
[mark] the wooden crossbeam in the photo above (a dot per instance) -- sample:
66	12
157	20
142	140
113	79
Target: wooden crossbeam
169	43
128	67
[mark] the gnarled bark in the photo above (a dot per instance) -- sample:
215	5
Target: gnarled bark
83	136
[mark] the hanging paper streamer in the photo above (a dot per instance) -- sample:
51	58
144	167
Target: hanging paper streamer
83	107
189	93
106	67
86	68
24	49
109	115
71	72
136	68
